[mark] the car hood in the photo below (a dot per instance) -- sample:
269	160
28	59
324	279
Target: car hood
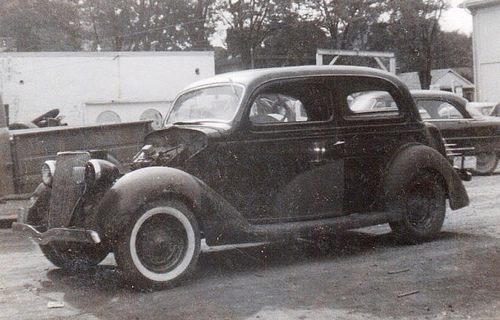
175	144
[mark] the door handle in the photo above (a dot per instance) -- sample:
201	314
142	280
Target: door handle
320	149
339	143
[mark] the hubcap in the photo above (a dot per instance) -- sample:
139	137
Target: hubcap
161	243
421	207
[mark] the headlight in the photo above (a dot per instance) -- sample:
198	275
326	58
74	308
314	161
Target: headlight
48	169
97	170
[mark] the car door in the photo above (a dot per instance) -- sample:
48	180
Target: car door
373	133
453	122
287	161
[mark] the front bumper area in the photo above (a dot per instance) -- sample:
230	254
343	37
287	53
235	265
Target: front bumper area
58	234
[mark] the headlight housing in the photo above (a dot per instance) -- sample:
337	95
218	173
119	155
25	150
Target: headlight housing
47	171
98	170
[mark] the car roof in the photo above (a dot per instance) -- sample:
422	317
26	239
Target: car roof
257	76
439	94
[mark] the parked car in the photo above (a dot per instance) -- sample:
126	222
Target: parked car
481	108
251	156
462	127
469	134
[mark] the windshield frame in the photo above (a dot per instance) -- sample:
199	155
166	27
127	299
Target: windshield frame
233	86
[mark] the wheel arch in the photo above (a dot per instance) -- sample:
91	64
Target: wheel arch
134	190
415	158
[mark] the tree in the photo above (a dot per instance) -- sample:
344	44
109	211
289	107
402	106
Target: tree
452	50
346	21
414	26
38	25
143	25
292	44
249	22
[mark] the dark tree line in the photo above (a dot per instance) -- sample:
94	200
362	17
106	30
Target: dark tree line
260	32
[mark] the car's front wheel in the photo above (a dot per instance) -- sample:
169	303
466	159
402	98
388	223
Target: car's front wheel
486	163
422	205
160	246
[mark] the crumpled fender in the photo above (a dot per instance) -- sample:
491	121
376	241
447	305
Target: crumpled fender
413	158
215	215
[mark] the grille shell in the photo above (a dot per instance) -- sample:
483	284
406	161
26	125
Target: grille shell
68	186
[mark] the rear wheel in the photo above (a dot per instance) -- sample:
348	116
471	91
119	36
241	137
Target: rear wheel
486	163
160	247
423	206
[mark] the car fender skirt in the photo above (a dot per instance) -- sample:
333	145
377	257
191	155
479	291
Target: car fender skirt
417	158
217	218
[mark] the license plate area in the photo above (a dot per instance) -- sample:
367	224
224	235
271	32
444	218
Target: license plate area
465	162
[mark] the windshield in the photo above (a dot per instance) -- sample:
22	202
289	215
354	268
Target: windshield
212	104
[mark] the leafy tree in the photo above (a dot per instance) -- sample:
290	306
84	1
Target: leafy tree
125	25
452	50
292	44
40	25
414	26
346	21
250	22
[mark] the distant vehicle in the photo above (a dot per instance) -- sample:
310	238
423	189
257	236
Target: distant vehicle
461	126
465	129
482	108
252	156
495	111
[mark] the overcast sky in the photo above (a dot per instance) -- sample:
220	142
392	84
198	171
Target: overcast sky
457	19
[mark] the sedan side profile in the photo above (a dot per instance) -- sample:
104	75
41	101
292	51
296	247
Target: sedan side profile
251	156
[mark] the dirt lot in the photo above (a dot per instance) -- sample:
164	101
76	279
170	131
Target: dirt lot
363	274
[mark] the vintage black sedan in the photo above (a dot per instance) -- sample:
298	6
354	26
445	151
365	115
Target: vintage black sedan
462	126
252	156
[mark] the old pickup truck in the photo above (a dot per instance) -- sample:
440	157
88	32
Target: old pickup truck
252	156
22	152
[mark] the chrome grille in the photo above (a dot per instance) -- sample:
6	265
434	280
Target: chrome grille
68	186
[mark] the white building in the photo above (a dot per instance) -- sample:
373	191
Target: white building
97	87
486	44
442	79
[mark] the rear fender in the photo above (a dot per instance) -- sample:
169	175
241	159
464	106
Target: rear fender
413	159
215	215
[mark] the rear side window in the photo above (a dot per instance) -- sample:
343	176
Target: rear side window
292	102
369	98
438	110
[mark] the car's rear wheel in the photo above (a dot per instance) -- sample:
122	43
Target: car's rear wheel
77	257
422	205
160	246
486	163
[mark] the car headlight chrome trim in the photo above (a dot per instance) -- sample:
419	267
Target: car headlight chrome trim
47	171
93	171
98	169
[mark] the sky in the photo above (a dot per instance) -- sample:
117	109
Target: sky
457	19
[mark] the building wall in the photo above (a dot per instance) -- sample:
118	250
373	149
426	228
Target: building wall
80	83
486	24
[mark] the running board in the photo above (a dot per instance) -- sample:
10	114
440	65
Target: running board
276	232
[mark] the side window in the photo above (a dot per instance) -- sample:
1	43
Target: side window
371	101
291	102
368	98
435	109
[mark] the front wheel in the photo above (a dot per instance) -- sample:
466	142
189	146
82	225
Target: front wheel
76	257
486	163
160	246
422	205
